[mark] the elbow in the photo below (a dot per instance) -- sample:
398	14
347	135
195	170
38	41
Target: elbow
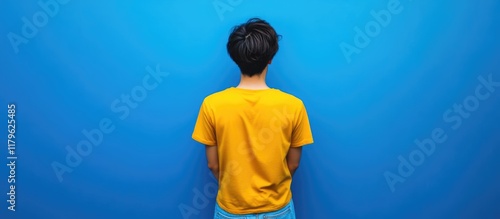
213	166
293	166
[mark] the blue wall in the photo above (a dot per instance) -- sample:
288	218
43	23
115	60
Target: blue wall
107	93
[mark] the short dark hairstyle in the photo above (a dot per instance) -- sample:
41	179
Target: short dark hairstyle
252	45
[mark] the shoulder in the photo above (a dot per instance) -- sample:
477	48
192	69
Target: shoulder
289	98
214	97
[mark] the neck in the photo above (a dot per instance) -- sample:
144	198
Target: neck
255	82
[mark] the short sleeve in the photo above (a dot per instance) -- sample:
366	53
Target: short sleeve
301	133
204	129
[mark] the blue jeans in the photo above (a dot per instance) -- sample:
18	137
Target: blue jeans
287	212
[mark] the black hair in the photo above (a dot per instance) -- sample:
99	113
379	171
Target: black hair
252	45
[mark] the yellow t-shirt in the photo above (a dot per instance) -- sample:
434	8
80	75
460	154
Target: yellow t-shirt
253	130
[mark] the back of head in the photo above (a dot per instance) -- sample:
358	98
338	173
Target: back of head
252	45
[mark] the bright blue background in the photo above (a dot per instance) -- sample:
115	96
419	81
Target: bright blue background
364	114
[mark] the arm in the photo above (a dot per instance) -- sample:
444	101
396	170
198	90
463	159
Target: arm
213	160
301	135
293	158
